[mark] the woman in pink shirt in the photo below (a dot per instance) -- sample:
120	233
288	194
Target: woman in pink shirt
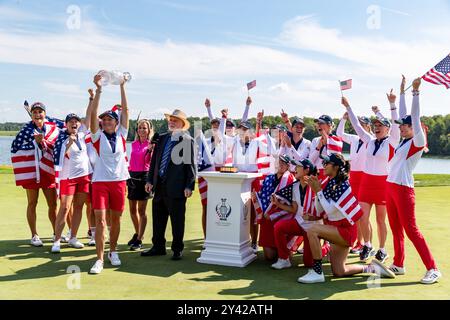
141	153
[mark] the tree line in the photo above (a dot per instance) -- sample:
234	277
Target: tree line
438	129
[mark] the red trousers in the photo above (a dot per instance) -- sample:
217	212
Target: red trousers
400	205
284	230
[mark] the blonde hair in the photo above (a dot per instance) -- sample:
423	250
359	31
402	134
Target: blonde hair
149	126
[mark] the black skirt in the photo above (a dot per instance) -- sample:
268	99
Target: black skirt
136	186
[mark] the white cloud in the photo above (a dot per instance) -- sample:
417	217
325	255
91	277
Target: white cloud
378	55
280	88
62	88
183	73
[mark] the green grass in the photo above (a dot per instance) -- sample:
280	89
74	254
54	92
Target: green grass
8	133
431	180
34	273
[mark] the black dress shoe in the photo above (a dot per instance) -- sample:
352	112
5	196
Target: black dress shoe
133	240
177	255
153	252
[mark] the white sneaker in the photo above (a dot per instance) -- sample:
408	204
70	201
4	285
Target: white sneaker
382	270
97	267
56	248
91	242
300	251
281	264
399	271
312	277
431	276
255	248
36	241
64	238
74	243
114	258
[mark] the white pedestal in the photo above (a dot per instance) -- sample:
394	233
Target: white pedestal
228	219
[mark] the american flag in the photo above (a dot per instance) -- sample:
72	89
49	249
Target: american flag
334	144
440	74
28	160
204	163
285	194
59	152
263	157
204	159
344	200
345	85
251	85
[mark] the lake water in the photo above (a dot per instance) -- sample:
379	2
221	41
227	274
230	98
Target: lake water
426	165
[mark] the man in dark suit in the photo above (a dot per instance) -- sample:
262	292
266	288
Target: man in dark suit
172	179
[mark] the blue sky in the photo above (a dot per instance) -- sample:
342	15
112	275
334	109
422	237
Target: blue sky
180	52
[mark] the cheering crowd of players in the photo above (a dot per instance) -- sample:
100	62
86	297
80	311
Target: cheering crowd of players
308	194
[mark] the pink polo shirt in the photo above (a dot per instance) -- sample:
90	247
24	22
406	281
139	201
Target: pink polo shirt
140	157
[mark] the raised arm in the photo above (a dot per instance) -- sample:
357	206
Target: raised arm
402	111
223	122
95	103
259	119
363	134
208	107
286	121
340	132
124	115
247	108
87	118
419	136
394	135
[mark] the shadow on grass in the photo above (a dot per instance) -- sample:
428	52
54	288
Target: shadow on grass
261	280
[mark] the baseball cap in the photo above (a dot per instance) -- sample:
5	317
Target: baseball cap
245	124
297	120
37	105
364	120
230	123
110	114
324	119
384	121
71	116
333	159
305	163
404	120
279	127
285	158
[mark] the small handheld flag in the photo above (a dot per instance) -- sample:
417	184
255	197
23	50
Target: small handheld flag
345	85
440	74
27	107
251	85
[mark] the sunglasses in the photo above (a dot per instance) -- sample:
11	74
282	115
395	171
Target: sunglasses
325	163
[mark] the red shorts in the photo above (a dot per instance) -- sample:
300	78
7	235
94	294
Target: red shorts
108	195
47	181
355	181
372	189
267	234
348	232
69	187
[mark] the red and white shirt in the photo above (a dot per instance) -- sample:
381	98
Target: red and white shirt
358	152
409	152
110	166
75	161
378	153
